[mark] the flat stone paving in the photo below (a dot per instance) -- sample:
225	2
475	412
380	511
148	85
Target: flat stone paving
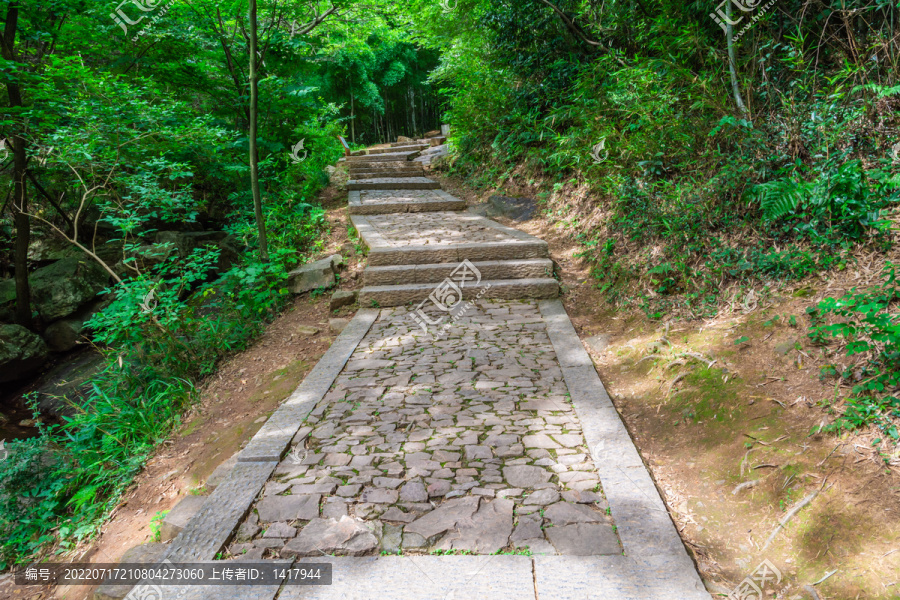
463	443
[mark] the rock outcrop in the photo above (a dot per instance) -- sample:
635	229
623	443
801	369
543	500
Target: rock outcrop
60	289
315	275
21	352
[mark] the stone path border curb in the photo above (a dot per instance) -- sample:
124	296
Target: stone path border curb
649	536
206	534
273	439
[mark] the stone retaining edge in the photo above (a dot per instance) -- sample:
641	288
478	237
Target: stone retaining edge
273	438
642	520
206	534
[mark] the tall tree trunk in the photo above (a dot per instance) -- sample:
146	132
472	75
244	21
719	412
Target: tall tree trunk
732	66
412	101
20	172
254	153
352	116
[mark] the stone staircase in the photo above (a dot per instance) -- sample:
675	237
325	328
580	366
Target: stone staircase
418	237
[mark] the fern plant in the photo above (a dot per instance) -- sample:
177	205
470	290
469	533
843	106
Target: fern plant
780	198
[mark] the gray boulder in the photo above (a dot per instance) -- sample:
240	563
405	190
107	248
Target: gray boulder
517	209
341	298
68	383
21	352
314	275
60	289
65	334
144	257
185	242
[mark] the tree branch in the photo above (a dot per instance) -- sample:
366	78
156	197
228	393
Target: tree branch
317	20
570	24
49	198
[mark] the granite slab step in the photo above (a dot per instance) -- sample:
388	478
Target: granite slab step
393	183
422	238
456	253
385	164
382	202
506	289
403	146
416	171
385	157
533	268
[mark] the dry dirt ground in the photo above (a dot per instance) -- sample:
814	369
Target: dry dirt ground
728	443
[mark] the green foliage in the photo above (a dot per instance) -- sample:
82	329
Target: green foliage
869	324
156	525
58	487
842	201
66	482
722	198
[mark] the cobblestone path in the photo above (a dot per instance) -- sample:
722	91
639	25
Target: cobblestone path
467	443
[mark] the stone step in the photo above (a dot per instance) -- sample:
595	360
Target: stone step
532	268
387	156
387	164
402	146
456	253
369	168
422	238
509	289
415	171
386	202
393	183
